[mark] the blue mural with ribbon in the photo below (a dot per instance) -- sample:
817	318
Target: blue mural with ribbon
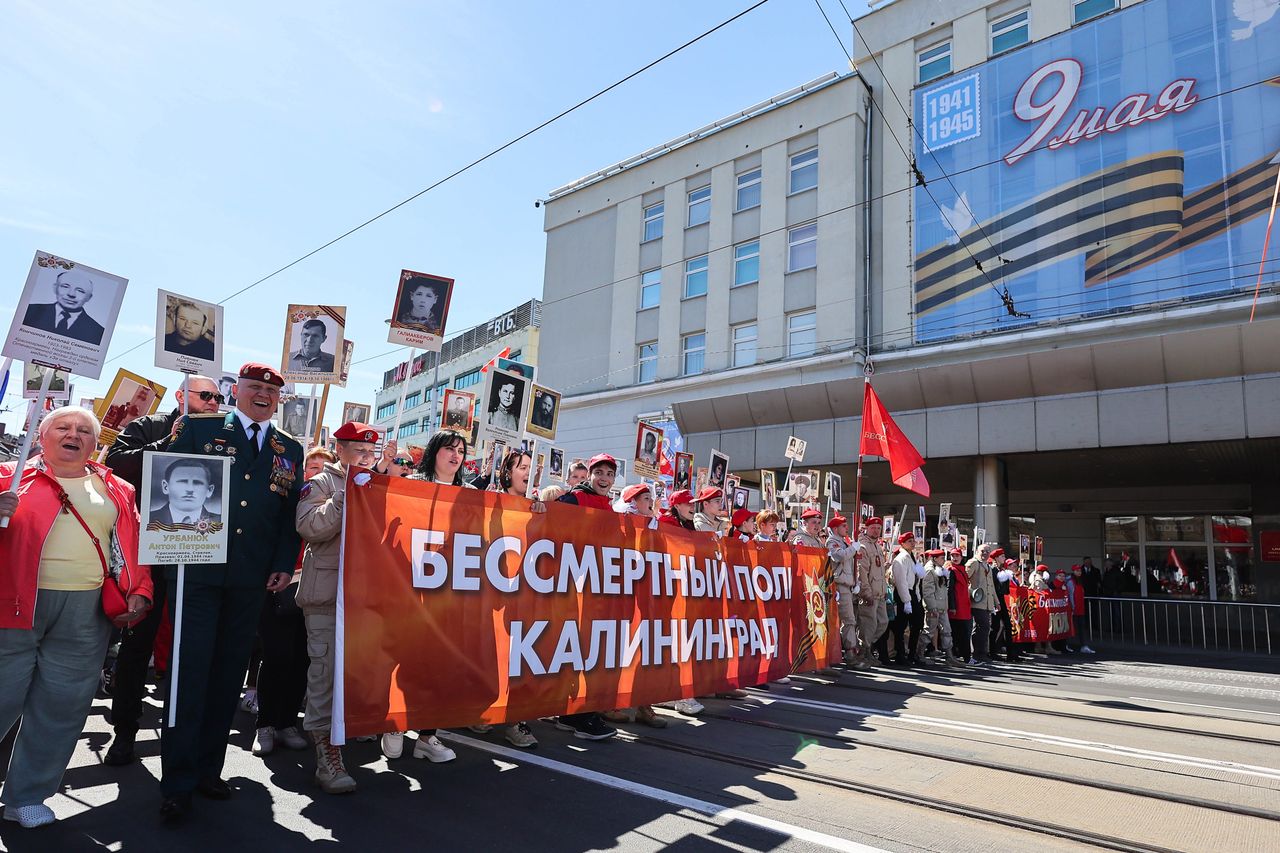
1126	162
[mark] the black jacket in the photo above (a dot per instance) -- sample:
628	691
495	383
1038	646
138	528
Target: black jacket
142	434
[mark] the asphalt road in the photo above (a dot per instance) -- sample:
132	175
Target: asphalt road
1122	751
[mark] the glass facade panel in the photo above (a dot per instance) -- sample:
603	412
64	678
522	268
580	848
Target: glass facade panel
1123	528
1177	571
1175	528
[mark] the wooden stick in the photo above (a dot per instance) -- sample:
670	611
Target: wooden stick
36	405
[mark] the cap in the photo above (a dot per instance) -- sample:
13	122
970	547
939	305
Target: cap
709	493
906	537
602	459
934	552
355	431
875	519
997	552
810	513
836	521
680	496
1011	562
954	551
633	491
262	373
740	516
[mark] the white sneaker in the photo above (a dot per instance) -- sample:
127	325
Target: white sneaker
688	707
1085	650
393	744
29	817
292	738
521	736
264	741
433	750
786	679
481	728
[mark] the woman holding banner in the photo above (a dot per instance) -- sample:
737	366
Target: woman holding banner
70	558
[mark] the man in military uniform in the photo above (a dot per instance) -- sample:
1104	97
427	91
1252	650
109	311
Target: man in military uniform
216	614
873	616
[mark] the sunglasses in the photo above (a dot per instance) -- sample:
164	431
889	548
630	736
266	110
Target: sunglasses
211	395
401	461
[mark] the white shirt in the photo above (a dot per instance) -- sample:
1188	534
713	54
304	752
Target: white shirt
263	426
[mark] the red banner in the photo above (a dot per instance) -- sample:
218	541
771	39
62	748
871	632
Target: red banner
459	606
1039	617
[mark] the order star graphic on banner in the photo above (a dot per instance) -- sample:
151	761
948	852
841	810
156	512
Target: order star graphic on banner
882	437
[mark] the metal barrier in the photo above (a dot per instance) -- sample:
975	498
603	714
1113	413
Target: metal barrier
1230	626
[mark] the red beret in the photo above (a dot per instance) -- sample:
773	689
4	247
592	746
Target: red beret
1011	562
740	516
955	551
875	519
810	513
836	521
262	373
709	493
934	552
906	537
997	552
602	459
355	431
633	491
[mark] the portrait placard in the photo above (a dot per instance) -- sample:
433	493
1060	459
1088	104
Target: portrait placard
648	454
682	478
556	464
33	378
1024	547
962	542
129	397
313	336
227	388
348	353
1039	546
944	517
188	334
511	365
768	489
795	448
801	488
356	413
421	310
184	507
835	490
506	396
65	316
544	413
459	410
979	537
297	416
717	470
740	498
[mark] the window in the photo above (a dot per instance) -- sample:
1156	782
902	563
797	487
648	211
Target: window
695	277
748	190
699	206
804	170
744	345
1083	10
1008	33
412	400
1179	556
802	247
407	430
466	380
647	365
695	352
653	222
514	355
386	410
802	334
746	263
650	288
934	62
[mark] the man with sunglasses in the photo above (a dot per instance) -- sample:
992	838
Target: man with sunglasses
140	437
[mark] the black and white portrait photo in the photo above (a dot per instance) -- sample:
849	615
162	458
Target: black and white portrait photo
187	334
683	477
795	448
185	489
187	493
835	490
227	388
296	417
545	412
421	310
312	343
65	315
717	470
458	409
505	399
768	489
555	468
33	378
355	413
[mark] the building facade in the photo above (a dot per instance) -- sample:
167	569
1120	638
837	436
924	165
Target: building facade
1047	251
416	391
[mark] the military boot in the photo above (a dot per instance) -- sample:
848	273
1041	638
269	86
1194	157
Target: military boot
331	774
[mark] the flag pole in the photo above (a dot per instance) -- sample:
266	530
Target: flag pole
867	370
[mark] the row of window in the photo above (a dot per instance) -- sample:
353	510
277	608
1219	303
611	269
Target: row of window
1007	33
803	175
802	254
802	340
461	381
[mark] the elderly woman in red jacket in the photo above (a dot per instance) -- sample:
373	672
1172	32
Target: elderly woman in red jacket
72	523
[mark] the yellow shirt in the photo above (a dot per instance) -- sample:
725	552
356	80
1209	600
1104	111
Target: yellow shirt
68	560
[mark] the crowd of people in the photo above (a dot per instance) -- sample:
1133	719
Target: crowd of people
73	576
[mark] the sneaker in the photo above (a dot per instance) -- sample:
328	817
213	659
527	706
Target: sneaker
593	728
433	750
973	661
786	679
291	738
29	817
264	742
688	707
521	736
249	704
393	744
1085	650
481	728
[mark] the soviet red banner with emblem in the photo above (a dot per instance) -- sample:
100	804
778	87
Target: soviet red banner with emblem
1039	616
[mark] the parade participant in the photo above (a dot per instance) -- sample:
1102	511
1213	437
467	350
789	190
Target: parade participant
1091	577
1001	624
593	493
124	458
1079	610
216	619
392	462
315	460
843	553
743	524
767	526
959	612
1060	585
679	509
810	528
577	474
873	617
982	593
70	558
935	587
550	494
708	511
902	573
637	499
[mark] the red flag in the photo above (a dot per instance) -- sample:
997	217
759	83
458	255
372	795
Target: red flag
493	362
881	437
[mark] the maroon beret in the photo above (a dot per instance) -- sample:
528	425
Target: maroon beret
262	373
354	431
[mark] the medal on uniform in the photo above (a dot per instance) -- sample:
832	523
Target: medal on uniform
208	448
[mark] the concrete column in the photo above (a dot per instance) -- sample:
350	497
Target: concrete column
991	498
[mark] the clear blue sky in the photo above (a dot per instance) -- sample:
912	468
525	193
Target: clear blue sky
197	147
